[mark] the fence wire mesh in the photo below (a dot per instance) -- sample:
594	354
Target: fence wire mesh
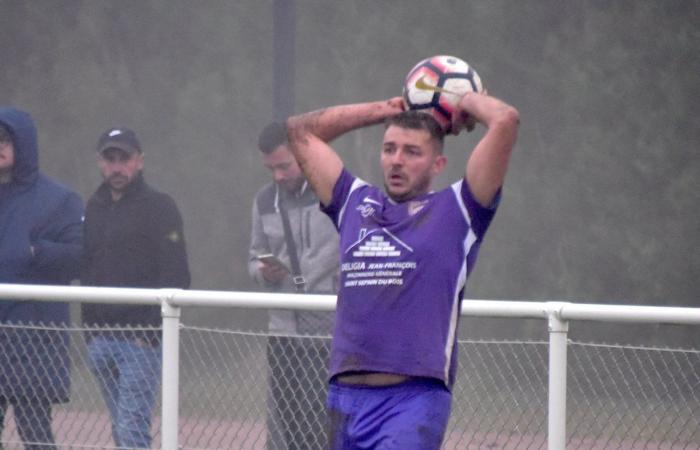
243	390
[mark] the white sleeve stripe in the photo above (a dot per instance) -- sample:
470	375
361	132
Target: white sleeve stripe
461	282
457	190
468	242
454	314
357	183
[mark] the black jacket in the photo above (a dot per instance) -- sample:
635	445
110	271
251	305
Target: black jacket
135	242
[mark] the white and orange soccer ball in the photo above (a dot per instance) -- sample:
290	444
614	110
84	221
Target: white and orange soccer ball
436	85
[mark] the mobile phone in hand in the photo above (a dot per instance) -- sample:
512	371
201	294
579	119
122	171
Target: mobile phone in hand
270	260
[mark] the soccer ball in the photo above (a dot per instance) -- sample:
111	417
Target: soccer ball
437	84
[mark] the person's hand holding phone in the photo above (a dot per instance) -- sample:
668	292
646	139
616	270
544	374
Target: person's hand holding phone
271	268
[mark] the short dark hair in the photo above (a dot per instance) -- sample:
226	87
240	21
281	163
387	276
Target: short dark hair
418	120
272	136
5	135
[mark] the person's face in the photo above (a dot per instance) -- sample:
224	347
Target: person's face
119	168
409	159
7	160
284	168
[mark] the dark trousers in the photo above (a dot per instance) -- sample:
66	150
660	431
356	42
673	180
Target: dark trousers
33	419
296	418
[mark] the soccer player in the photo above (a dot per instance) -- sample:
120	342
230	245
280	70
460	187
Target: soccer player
406	252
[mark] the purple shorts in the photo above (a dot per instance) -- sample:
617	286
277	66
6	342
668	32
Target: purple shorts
409	415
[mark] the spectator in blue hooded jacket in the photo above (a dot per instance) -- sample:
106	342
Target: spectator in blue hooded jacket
40	243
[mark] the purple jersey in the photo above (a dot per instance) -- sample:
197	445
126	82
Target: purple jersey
403	270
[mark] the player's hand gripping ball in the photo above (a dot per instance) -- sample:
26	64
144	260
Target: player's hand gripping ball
437	84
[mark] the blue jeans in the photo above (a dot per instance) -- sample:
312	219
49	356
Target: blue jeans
128	372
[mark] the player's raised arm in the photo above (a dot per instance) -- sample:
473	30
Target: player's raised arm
310	133
488	162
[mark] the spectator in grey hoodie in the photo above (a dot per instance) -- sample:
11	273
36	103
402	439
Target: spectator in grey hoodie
297	365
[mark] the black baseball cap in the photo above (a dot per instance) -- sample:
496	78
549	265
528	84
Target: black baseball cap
121	138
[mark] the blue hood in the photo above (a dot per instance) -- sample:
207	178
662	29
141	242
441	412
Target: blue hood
21	126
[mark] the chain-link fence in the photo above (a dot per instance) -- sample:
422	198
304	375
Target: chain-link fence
245	390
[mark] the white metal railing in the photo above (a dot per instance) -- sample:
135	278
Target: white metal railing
557	314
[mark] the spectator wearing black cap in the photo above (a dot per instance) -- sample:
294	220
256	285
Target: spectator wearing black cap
41	234
133	238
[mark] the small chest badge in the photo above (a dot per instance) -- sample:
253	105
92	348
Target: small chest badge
415	206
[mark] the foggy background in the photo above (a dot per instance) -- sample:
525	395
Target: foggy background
601	201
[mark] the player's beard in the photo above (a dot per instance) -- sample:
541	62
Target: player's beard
420	186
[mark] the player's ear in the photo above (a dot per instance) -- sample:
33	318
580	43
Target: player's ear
439	164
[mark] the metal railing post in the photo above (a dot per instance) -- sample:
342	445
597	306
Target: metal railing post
558	332
170	372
